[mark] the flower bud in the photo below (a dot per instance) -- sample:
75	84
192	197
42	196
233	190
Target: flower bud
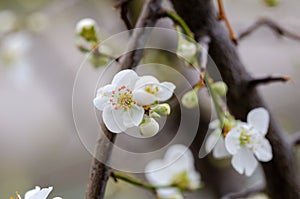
149	127
220	88
154	115
272	3
186	49
161	109
190	99
87	28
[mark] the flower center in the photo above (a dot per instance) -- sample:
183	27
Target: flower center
245	137
152	89
181	180
122	98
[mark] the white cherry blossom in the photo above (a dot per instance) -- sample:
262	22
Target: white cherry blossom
247	142
177	168
120	110
38	193
149	90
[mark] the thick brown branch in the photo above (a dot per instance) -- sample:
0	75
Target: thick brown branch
99	172
282	175
295	138
266	80
222	16
123	6
272	25
244	194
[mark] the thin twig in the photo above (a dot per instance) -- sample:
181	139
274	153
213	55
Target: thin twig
243	194
266	80
272	25
222	16
99	172
123	6
295	138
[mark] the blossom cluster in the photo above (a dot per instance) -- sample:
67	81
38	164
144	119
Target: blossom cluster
131	100
245	141
37	193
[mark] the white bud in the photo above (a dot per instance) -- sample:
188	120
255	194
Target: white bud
220	88
87	28
186	49
190	99
149	127
162	109
154	115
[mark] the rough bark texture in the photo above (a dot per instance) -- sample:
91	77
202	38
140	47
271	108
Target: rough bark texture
281	172
99	172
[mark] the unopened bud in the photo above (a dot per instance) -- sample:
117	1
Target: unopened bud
162	109
87	28
220	88
186	49
154	115
149	127
190	99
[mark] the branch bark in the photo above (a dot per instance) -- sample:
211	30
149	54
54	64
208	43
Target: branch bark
243	194
266	80
99	172
281	172
272	25
295	139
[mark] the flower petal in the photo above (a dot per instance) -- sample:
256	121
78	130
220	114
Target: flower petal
170	193
244	162
149	128
212	140
32	192
133	116
165	91
40	194
126	78
259	119
103	96
143	98
146	80
214	124
113	119
232	139
220	150
263	150
156	173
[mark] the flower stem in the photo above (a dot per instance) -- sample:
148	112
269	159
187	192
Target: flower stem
136	182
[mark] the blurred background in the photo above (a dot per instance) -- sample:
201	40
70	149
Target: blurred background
39	144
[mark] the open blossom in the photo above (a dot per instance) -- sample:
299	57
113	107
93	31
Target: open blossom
177	169
38	193
149	90
247	142
122	101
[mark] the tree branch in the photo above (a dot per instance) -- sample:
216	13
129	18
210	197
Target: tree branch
266	80
222	16
123	6
295	139
244	194
272	25
99	172
282	175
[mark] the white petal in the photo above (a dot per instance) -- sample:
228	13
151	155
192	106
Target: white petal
57	198
146	80
263	150
170	193
42	194
214	124
30	193
149	128
259	119
165	91
143	98
232	140
220	150
133	116
244	162
156	173
212	139
113	119
126	78
103	96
